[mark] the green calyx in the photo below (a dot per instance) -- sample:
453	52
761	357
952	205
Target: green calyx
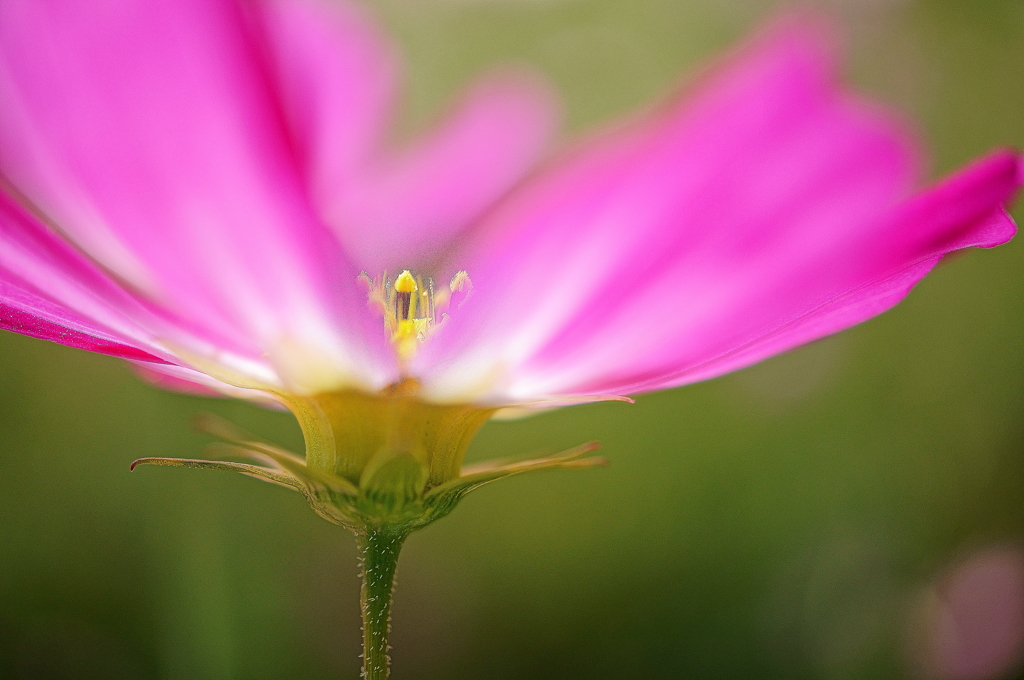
373	462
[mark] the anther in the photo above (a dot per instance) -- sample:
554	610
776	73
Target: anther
406	282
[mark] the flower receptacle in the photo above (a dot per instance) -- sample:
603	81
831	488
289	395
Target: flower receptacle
349	433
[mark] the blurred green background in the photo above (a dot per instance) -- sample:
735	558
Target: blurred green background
781	522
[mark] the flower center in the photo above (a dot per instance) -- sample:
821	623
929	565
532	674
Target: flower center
409	313
412	307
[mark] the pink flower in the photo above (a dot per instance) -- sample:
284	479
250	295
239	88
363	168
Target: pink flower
198	185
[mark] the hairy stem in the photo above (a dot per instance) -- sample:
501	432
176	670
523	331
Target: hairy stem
378	557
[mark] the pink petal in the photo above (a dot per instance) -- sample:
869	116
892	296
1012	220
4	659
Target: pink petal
28	314
863	278
335	74
410	205
148	132
753	216
394	209
49	291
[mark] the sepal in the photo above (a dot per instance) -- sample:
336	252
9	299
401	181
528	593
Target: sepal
259	472
393	493
445	497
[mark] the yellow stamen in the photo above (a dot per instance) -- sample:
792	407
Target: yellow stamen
405	283
409	305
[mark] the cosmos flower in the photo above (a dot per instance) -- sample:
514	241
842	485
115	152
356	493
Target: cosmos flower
205	188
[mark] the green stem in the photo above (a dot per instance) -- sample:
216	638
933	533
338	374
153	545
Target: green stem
378	558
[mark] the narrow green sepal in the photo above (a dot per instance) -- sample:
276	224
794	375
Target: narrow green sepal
216	426
265	474
330	496
492	470
296	467
261	449
444	498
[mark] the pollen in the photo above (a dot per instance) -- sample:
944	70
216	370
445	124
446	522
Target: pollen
405	283
411	306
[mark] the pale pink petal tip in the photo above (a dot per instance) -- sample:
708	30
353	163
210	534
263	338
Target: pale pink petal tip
167	380
189	381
